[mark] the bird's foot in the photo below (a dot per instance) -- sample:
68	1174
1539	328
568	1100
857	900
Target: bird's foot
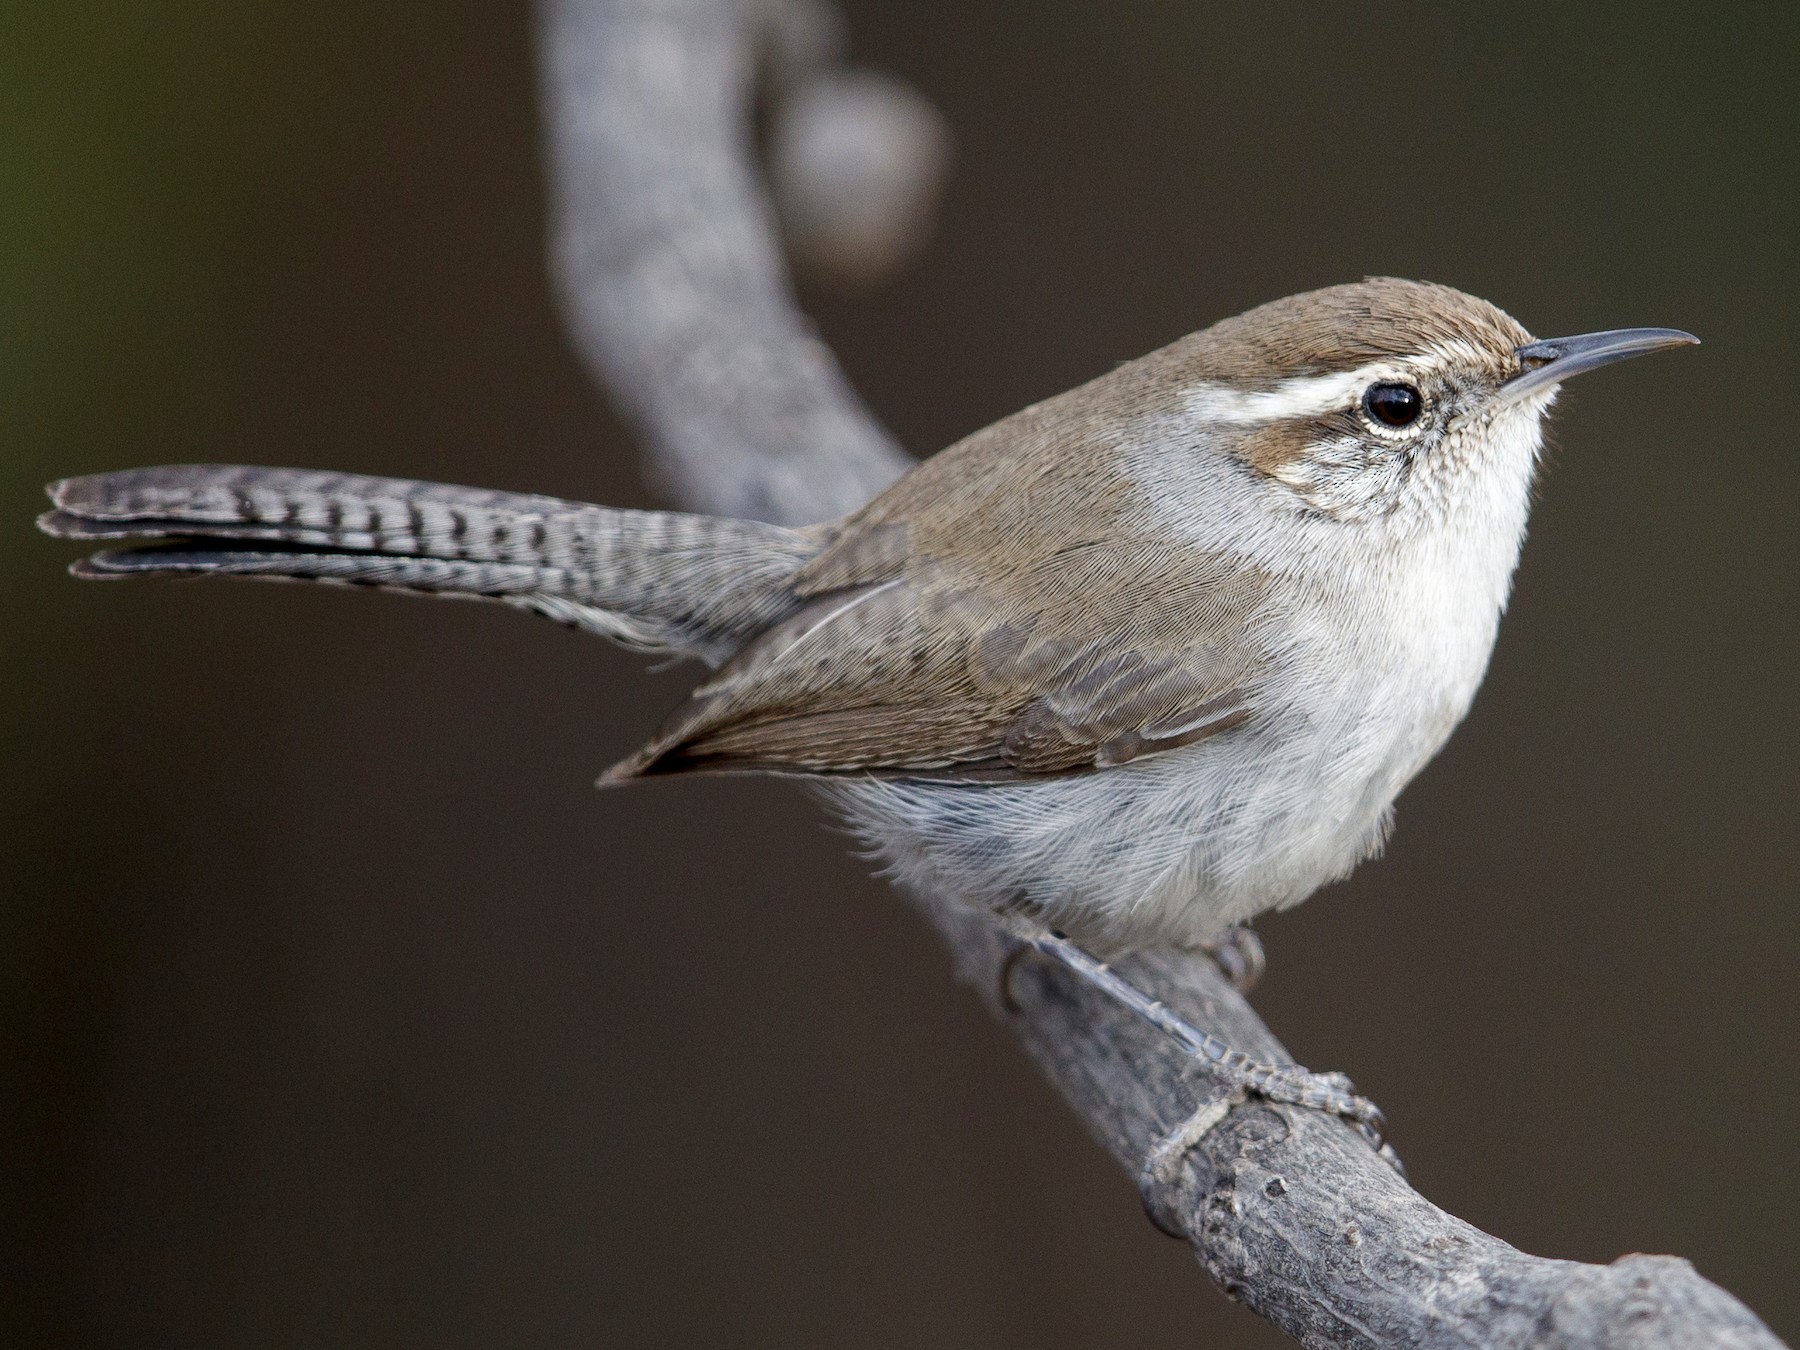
1290	1084
1238	953
1158	1177
1296	1085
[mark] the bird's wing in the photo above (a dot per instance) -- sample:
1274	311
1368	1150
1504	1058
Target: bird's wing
1015	607
1090	655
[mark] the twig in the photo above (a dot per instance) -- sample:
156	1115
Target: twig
674	285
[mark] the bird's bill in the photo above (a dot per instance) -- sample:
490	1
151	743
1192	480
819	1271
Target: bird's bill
1554	360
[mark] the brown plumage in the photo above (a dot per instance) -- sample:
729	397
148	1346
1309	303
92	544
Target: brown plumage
1095	640
1012	608
1132	665
1009	609
1338	328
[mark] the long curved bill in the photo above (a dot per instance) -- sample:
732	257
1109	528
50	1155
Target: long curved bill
1554	360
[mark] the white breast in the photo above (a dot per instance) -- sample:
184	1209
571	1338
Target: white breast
1385	641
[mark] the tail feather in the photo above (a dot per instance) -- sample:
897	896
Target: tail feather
660	581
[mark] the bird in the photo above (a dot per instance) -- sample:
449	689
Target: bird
1124	669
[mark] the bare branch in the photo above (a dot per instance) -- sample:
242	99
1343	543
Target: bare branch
675	288
670	271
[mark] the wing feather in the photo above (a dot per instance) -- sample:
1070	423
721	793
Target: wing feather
923	676
1009	610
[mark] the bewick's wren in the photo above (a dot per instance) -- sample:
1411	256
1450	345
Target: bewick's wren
1134	664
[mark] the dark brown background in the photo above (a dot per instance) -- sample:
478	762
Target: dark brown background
339	1009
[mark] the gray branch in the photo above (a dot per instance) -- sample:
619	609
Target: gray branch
668	265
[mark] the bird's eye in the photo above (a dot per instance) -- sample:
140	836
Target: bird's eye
1393	404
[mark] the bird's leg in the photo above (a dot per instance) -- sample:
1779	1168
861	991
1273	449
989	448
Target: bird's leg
1289	1083
1238	953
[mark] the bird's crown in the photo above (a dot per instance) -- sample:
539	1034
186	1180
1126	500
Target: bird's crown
1339	329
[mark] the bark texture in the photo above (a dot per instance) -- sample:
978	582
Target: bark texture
675	288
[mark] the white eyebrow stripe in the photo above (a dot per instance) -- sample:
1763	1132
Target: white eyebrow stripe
1451	352
1302	396
1315	395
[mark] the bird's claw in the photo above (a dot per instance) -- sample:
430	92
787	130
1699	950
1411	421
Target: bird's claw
1239	955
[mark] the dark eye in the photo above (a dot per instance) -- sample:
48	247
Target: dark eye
1393	405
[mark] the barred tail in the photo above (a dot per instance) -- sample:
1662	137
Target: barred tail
653	580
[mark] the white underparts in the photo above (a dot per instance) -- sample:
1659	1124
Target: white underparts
1378	626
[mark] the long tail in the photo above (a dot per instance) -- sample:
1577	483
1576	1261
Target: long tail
653	580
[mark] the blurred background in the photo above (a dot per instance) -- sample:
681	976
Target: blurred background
340	1010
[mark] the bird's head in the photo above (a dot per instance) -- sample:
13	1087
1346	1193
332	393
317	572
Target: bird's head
1385	399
